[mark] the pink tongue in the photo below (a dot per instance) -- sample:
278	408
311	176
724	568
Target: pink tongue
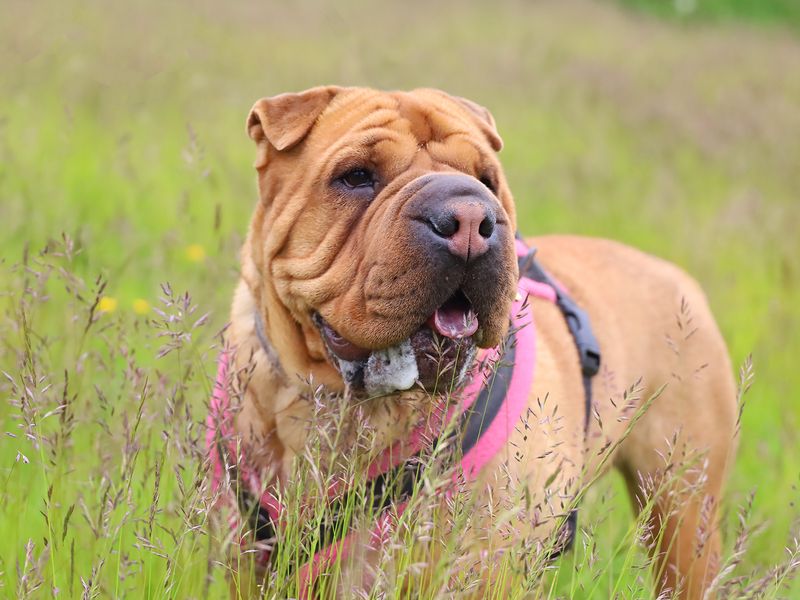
454	320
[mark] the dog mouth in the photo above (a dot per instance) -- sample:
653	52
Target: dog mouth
435	357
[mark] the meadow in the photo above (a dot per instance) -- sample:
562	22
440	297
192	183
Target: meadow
125	190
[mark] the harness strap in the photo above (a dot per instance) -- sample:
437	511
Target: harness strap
588	348
397	484
476	420
577	321
386	489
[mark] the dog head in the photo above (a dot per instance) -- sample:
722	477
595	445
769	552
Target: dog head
383	243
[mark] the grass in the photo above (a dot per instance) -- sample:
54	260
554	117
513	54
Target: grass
124	165
784	13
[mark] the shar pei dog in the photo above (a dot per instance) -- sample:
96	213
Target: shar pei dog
383	266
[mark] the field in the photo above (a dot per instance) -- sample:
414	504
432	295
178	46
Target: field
126	186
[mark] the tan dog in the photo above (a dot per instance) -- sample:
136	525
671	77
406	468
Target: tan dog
382	215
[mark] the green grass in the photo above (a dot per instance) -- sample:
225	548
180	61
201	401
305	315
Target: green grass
785	13
123	128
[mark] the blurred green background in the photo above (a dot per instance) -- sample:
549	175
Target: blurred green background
673	126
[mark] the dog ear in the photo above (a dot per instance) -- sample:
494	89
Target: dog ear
486	121
285	120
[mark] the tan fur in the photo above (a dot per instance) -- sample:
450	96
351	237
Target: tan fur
305	252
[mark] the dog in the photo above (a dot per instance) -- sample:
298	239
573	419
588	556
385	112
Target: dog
386	228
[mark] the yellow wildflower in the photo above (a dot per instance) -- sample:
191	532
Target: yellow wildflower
107	304
195	253
141	306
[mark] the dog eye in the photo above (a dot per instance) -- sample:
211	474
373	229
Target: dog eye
488	182
358	178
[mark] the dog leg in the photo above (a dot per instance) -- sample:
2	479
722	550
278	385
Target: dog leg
681	532
680	481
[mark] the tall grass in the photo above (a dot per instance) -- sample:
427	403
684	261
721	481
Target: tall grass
126	508
122	128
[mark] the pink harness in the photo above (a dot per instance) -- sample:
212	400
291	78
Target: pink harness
488	420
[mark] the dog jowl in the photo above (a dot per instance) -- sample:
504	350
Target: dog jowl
382	263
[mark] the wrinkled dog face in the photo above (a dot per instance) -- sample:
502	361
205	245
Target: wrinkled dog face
384	244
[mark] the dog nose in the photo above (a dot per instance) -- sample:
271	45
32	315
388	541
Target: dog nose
467	226
455	218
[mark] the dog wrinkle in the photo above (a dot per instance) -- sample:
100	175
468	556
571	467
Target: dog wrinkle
429	122
450	150
417	119
459	154
326	252
351	107
283	216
